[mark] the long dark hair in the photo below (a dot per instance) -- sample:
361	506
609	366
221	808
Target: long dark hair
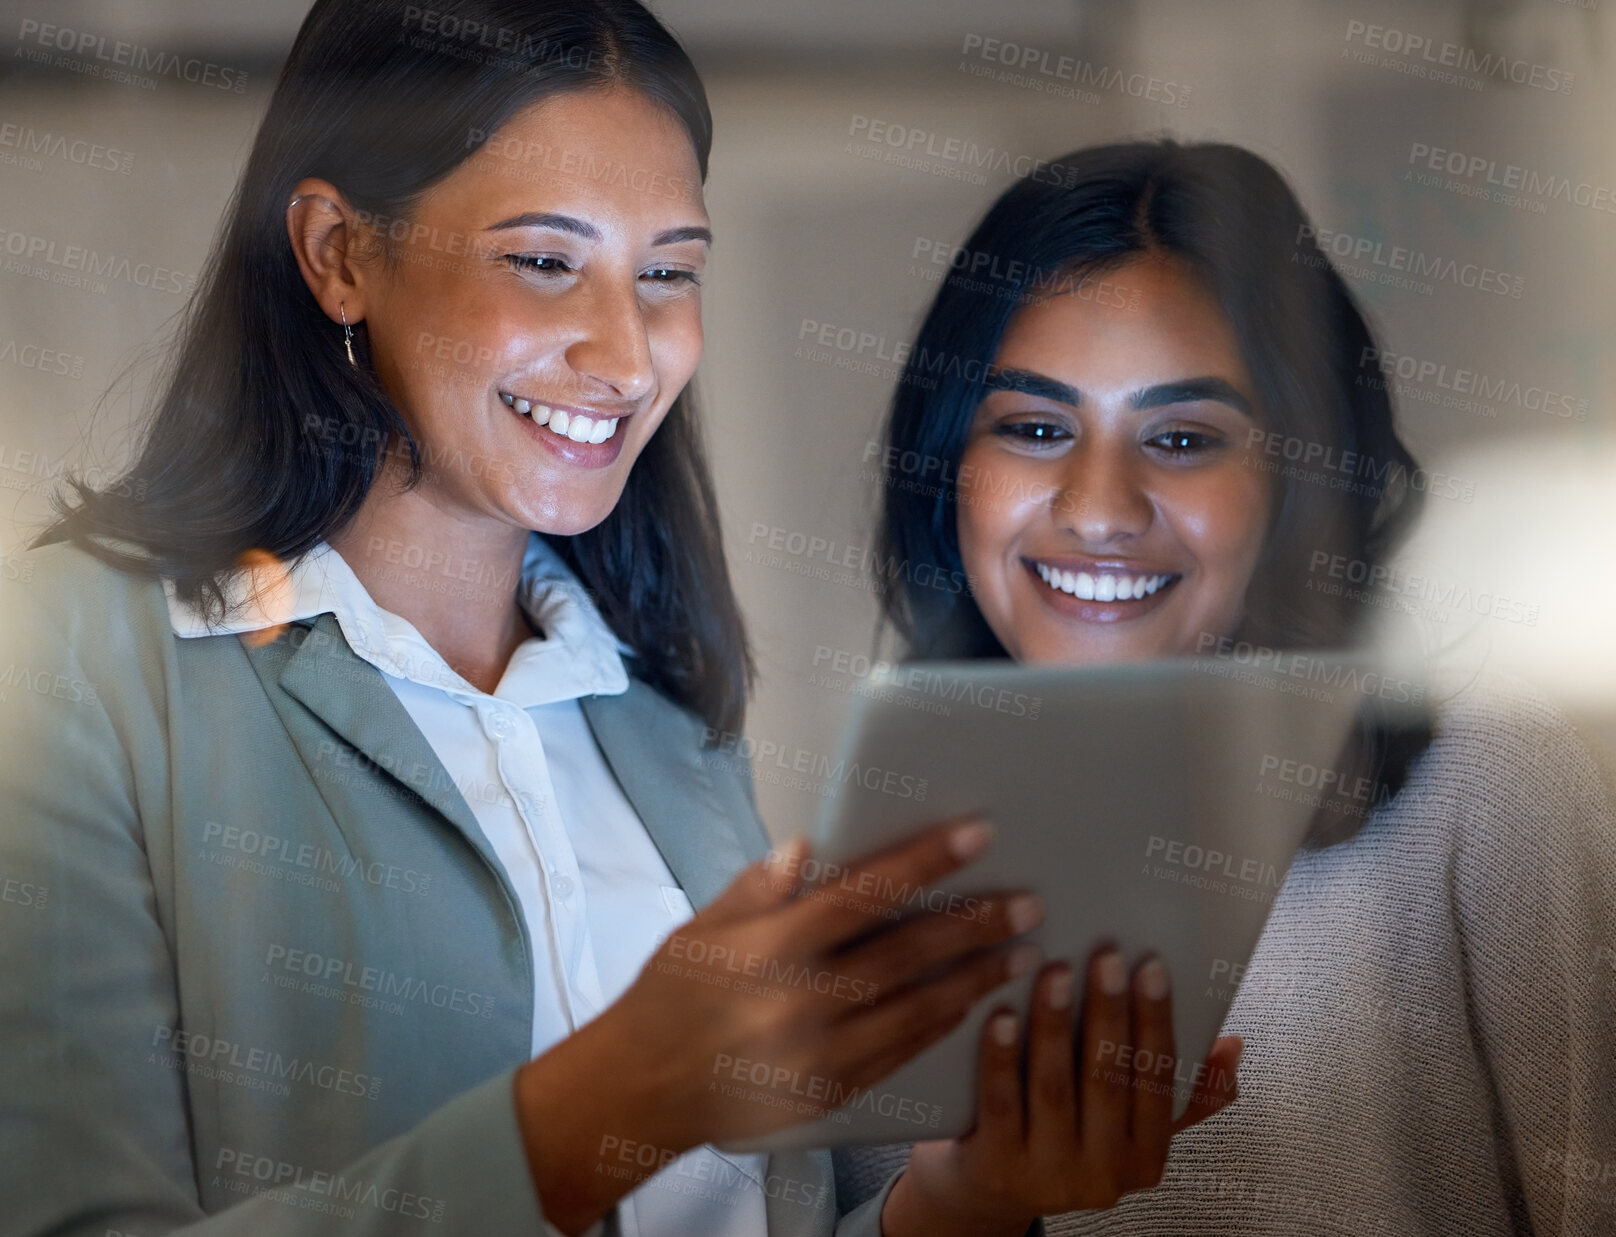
1233	222
263	436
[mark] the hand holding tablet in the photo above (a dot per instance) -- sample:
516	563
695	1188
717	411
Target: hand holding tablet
1155	806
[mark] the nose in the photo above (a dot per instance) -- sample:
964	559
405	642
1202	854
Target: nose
1102	497
613	348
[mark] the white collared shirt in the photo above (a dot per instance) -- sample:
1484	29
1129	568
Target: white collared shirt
595	892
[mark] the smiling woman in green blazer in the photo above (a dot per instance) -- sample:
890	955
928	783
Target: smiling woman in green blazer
423	488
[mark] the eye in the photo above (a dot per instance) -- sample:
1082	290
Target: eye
1033	433
671	275
542	264
1185	442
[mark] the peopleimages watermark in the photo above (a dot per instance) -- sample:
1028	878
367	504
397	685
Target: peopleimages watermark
315	1190
956	158
1452	386
25	893
263	1069
54	261
46	681
748	973
814	767
915	681
1360	580
20	143
867	352
365	443
780	1086
300	966
824	558
1036	68
954	481
828	881
55	361
1353	471
1578	1167
508	156
465	38
84	51
1399	266
1456	64
1324	673
1209	869
1120	1064
984	271
34	472
1507	184
1343	792
308	861
711	1177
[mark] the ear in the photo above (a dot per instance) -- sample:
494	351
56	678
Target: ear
330	246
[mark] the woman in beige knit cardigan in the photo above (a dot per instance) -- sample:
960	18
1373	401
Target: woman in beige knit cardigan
1167	437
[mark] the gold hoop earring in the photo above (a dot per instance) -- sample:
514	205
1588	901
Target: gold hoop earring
347	334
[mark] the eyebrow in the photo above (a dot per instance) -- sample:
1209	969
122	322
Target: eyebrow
1186	391
587	230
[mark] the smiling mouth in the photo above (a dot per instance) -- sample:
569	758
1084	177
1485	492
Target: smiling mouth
1106	586
573	425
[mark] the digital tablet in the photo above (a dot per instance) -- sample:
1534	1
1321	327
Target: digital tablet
1156	805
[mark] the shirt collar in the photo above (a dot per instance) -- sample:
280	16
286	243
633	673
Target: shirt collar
578	654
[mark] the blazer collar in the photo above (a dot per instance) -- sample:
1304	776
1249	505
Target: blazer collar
314	665
652	747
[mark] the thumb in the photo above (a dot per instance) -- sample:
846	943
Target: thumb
1220	1085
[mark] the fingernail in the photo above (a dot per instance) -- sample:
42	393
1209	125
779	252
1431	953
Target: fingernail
1003	1029
1026	910
1153	980
1058	989
1113	975
1023	958
969	841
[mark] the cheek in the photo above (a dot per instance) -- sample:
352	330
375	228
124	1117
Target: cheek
997	496
1222	518
439	338
676	341
975	520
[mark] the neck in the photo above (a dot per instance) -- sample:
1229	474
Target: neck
453	578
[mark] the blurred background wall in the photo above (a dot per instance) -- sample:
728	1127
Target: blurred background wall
833	192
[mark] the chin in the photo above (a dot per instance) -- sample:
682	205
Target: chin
570	524
568	513
1094	647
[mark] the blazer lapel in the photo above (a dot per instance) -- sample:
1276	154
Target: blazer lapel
654	750
350	696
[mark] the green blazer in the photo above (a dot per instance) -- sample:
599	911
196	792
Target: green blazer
263	973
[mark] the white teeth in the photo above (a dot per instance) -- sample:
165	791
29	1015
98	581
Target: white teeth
1102	587
575	426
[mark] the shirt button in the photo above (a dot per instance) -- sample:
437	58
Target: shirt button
563	887
501	725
